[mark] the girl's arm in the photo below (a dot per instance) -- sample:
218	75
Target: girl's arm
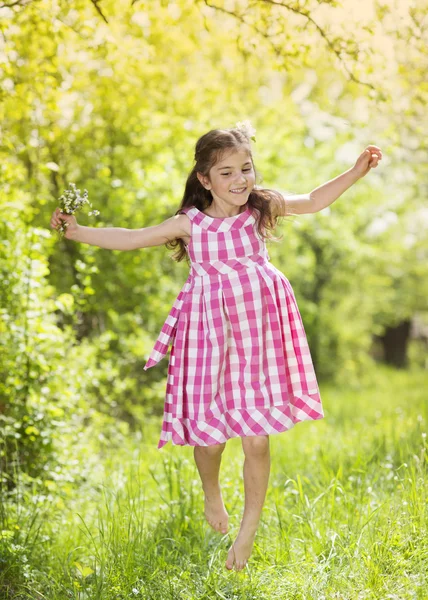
112	238
326	194
119	238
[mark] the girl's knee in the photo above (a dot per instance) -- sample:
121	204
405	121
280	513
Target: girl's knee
211	450
255	445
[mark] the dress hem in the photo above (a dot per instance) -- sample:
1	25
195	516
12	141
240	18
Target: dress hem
180	435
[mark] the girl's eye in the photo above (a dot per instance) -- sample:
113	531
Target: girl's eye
245	171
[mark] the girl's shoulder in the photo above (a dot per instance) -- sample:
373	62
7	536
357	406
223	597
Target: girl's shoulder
186	209
184	222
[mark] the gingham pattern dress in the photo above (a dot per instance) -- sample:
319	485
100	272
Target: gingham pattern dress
239	364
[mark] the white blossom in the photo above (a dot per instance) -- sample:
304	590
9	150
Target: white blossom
247	129
70	202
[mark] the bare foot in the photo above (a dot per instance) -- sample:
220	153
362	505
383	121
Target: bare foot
215	513
240	550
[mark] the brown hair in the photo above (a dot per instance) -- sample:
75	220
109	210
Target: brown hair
209	150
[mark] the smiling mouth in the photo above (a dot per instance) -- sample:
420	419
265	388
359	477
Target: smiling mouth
238	190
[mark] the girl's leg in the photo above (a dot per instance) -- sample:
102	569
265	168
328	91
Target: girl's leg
208	459
256	477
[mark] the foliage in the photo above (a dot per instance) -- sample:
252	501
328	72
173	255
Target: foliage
345	515
51	385
32	349
109	120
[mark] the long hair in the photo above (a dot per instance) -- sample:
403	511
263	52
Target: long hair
209	150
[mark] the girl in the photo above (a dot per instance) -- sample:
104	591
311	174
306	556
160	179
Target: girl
240	365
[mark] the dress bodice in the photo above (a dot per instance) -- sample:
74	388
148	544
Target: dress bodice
218	244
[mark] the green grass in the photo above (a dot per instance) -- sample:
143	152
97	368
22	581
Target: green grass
345	515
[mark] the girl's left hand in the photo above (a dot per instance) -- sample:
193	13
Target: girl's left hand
367	160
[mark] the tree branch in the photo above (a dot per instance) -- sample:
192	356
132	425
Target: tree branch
17	3
98	9
277	49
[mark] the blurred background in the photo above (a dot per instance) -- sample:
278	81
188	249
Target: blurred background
113	96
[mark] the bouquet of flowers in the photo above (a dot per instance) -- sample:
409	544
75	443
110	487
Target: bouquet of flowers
70	202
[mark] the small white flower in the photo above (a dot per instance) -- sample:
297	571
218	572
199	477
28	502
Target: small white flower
247	129
71	201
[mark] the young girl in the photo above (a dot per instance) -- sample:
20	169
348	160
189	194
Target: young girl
239	365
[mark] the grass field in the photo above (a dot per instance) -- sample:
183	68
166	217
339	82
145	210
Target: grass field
345	515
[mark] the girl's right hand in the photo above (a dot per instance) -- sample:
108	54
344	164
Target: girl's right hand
56	222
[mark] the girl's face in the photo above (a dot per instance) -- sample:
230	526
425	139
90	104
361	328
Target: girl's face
231	179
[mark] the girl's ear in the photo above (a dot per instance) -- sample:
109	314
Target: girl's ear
203	180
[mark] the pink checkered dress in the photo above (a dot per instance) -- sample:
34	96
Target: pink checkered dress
240	364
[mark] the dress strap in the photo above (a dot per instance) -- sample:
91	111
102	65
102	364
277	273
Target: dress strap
190	211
